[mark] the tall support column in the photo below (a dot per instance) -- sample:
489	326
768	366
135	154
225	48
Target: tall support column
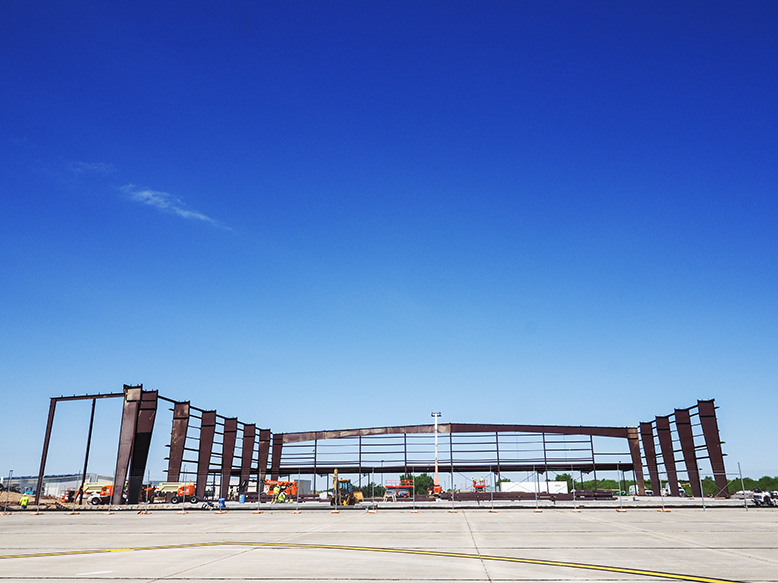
649	449
275	463
45	452
207	431
147	412
177	440
497	451
668	456
247	454
132	397
634	451
710	430
86	453
683	424
228	453
264	453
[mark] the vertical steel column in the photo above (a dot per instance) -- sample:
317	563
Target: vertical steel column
545	461
497	450
86	453
264	451
683	425
634	452
247	454
315	447
594	465
451	453
207	431
228	453
132	397
668	456
405	453
177	440
275	462
649	449
147	412
710	429
45	452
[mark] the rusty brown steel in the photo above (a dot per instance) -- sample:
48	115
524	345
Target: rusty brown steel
228	453
683	424
247	453
455	428
710	430
207	431
649	449
45	452
177	440
147	411
275	461
633	440
668	455
264	451
86	453
132	397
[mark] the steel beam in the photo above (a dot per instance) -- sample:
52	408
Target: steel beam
649	449
207	431
264	452
668	456
147	412
247	454
683	424
45	452
710	430
275	462
228	453
132	397
633	440
177	440
456	428
86	453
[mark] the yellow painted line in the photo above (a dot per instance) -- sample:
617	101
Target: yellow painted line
623	570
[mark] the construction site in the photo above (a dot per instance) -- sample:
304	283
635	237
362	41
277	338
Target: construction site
239	461
293	506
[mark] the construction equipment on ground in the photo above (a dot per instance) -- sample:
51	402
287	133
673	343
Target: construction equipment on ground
73	494
103	496
479	485
182	491
288	488
403	488
344	493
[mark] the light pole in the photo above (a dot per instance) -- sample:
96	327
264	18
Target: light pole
436	489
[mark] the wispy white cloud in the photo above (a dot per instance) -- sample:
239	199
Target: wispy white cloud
98	167
166	202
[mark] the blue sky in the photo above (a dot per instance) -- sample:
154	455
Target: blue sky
340	214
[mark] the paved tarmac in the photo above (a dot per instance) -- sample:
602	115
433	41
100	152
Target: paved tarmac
432	545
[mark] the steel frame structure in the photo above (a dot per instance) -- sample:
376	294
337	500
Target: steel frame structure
689	435
225	448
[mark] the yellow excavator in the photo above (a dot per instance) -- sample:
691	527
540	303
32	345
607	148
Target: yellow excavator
344	493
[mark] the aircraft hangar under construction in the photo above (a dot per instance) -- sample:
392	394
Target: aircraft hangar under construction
231	454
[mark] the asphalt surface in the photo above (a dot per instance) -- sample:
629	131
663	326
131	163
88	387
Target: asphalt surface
557	544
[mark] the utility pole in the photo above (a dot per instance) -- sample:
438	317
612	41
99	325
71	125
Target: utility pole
436	489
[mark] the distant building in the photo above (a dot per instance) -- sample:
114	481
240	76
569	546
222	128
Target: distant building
52	485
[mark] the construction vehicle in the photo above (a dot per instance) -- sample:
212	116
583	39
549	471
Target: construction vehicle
479	485
103	496
182	491
344	493
399	489
765	498
73	494
288	488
